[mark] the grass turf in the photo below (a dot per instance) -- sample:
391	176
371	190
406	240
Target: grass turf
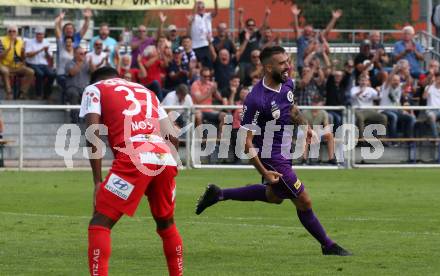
388	218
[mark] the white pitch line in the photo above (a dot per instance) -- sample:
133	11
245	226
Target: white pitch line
411	233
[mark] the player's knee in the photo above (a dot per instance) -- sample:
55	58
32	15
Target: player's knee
303	202
164	223
271	198
102	220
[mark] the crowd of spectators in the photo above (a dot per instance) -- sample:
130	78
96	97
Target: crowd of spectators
205	65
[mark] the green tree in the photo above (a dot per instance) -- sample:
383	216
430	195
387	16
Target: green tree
358	14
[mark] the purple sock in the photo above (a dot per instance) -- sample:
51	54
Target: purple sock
312	224
246	193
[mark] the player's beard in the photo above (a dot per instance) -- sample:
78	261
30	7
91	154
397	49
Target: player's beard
280	77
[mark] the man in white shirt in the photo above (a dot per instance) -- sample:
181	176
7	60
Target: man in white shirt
180	97
110	45
97	58
391	95
363	95
37	57
201	31
432	94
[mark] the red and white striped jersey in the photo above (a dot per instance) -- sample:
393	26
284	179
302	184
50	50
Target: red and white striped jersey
129	110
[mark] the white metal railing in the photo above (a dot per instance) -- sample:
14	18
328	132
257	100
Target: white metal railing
348	117
352	120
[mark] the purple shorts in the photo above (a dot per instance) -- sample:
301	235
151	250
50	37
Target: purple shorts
289	185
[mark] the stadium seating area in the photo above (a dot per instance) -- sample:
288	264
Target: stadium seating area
206	61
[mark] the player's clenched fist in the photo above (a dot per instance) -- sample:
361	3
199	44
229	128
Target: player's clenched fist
272	177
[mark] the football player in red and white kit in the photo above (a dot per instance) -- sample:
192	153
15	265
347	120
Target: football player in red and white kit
140	136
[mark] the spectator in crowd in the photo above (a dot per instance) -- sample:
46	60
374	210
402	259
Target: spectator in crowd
189	58
224	66
252	70
337	85
222	40
391	94
426	79
250	36
68	30
12	62
317	118
78	76
165	57
127	72
176	73
97	58
2	125
377	47
410	50
109	44
230	93
312	84
204	92
64	55
432	95
171	34
429	76
38	58
237	114
363	95
125	38
201	31
139	43
153	66
318	51
179	97
369	62
269	39
403	70
308	34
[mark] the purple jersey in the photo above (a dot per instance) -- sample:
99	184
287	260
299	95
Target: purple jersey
264	106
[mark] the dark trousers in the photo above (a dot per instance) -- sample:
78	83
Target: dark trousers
44	78
396	117
204	56
61	81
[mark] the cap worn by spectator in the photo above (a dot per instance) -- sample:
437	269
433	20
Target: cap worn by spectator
172	28
40	30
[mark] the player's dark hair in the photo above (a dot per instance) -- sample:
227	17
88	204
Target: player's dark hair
268	52
103	73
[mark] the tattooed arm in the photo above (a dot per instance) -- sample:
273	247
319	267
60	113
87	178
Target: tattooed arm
299	120
297	117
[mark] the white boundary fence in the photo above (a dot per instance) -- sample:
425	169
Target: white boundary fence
347	118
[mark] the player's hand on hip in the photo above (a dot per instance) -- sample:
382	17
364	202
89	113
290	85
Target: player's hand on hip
272	177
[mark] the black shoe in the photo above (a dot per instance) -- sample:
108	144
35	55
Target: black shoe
335	249
332	162
210	197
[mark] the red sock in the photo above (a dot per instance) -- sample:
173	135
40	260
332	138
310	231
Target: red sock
173	249
99	250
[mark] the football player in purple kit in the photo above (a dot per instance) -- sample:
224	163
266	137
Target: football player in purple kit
271	100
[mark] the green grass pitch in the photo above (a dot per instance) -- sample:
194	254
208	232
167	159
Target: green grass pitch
390	220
